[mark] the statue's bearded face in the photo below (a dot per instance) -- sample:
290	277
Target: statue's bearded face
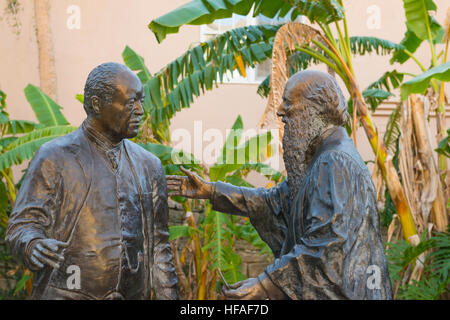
122	117
302	124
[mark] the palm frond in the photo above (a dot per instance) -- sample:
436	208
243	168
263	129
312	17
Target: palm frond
362	45
24	147
21	126
232	271
264	87
420	83
198	12
374	97
202	67
221	254
172	158
80	97
392	130
178	231
435	279
440	259
47	111
416	13
136	63
248	233
296	61
2	100
290	38
389	80
411	43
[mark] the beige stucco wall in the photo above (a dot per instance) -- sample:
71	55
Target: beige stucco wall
107	26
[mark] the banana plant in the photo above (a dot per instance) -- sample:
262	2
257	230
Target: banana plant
228	168
422	27
198	70
323	47
212	238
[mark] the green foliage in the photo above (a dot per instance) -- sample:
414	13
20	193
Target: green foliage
419	22
80	98
47	111
392	132
9	273
2	99
172	158
176	232
374	97
389	80
24	147
199	69
219	242
136	63
409	42
362	45
264	87
420	83
380	90
417	17
297	61
219	231
198	12
248	233
435	280
444	145
322	11
226	229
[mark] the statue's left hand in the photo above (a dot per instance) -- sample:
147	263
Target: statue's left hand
46	252
249	289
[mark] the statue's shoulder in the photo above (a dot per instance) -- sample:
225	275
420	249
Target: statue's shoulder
60	147
339	150
338	158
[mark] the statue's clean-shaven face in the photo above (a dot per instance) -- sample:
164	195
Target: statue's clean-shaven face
121	118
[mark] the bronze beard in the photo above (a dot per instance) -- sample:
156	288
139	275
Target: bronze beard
299	140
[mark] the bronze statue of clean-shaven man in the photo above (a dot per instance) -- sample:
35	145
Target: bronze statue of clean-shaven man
90	219
321	222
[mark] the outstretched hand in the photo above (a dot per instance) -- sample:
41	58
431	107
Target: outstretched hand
190	186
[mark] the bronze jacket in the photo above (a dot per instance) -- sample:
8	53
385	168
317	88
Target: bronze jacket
327	242
54	191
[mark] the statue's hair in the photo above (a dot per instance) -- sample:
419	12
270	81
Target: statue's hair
323	93
101	82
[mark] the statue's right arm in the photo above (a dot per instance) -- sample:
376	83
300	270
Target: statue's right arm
263	206
227	197
33	211
245	201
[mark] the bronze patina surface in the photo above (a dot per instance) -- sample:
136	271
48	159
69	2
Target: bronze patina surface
95	202
322	222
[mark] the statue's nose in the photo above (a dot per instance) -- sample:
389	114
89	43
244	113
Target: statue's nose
140	109
280	111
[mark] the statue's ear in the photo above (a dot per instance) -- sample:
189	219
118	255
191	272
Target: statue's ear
95	104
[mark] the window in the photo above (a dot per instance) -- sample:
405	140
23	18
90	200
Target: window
262	70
